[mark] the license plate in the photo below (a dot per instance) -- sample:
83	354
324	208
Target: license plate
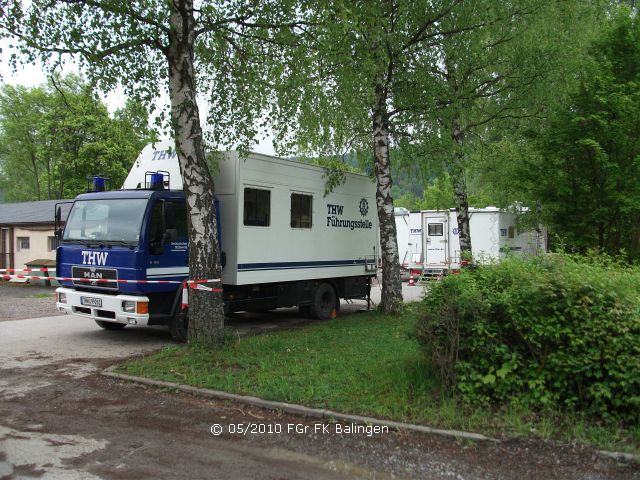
91	302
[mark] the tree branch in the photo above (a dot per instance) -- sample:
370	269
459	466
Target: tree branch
133	44
129	12
418	35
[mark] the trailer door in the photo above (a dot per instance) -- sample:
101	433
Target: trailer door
435	241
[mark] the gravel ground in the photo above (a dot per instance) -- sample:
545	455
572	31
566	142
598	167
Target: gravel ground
22	300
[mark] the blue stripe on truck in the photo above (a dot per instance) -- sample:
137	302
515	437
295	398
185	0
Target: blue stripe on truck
248	267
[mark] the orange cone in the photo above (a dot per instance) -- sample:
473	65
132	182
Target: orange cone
411	282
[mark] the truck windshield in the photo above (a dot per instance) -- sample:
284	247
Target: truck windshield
108	220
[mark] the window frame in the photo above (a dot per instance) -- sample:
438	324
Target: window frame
299	216
52	241
19	244
440	224
256	223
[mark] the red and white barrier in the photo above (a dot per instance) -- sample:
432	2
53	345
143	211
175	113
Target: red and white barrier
25	270
194	284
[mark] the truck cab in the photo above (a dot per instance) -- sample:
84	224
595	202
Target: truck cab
124	256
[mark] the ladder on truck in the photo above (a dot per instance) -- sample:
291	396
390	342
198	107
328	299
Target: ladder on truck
429	272
423	278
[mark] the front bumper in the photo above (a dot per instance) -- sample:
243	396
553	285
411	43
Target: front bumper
109	311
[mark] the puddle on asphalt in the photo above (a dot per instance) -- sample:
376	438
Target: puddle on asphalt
44	454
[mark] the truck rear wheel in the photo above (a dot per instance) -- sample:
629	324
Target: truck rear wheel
325	303
179	327
110	325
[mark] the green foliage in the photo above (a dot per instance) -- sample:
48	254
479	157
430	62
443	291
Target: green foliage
437	194
577	157
551	331
334	171
53	136
407	200
589	162
494	93
128	45
484	76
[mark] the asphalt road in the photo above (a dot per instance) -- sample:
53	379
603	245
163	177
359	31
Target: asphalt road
60	419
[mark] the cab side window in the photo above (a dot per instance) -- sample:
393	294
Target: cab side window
156	230
168	224
176	220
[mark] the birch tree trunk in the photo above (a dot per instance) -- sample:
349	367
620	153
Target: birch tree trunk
206	313
460	190
34	164
391	299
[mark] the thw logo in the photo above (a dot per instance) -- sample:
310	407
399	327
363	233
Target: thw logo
94	258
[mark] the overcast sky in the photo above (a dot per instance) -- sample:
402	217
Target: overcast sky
33	75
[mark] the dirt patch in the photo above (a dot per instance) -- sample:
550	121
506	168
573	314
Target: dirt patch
148	432
33	356
31	471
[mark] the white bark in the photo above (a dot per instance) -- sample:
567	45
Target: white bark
206	314
460	191
391	295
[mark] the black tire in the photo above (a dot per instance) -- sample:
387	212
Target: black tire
179	327
326	304
110	325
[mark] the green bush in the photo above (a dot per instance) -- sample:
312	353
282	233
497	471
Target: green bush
551	331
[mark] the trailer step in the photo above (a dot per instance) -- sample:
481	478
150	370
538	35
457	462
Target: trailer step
427	274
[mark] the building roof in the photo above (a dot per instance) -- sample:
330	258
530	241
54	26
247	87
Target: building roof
26	213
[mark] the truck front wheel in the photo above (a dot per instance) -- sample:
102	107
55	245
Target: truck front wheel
179	327
110	325
325	303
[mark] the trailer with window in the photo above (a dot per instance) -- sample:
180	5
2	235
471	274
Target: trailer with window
435	244
283	242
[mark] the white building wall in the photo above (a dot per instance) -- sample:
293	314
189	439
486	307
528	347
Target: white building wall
38	245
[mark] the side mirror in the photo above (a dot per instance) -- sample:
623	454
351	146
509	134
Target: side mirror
57	222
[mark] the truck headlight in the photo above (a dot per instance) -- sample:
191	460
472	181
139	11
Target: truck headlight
128	306
62	297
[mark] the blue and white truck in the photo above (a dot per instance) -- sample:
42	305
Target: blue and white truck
284	242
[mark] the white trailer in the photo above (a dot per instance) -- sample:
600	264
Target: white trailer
409	234
494	234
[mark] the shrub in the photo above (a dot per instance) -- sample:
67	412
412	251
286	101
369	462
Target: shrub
555	330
